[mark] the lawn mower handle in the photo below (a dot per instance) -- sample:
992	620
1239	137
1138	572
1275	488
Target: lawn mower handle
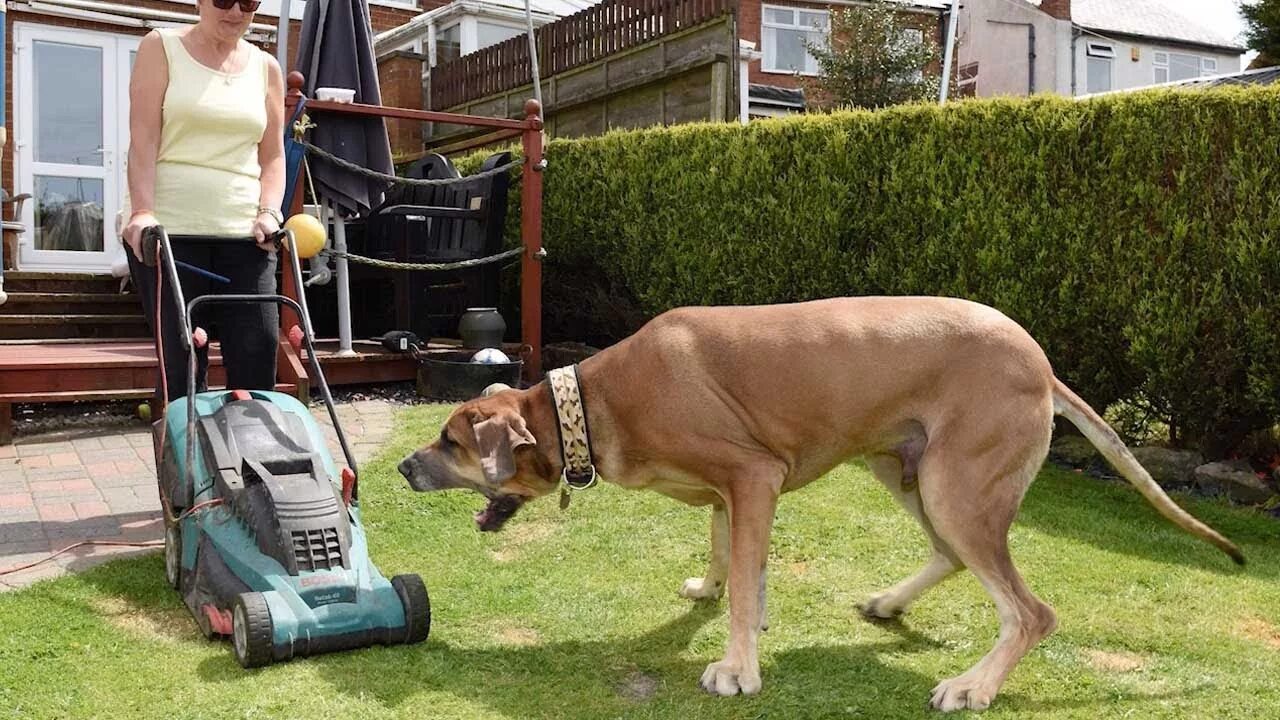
156	237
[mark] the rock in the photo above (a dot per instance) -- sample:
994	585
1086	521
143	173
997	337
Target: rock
1169	468
1076	451
1235	479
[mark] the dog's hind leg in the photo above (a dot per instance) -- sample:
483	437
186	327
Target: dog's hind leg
972	498
711	585
891	602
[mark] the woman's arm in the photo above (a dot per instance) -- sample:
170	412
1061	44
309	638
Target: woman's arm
271	155
147	87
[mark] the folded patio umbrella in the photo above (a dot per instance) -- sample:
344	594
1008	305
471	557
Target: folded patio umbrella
335	49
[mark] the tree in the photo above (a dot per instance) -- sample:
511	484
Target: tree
1262	32
875	58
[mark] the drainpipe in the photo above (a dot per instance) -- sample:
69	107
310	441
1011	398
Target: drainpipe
1075	35
1031	59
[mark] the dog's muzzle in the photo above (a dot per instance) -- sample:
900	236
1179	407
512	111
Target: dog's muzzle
411	469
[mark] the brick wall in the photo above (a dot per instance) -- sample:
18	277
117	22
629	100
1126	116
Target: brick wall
381	17
750	16
400	79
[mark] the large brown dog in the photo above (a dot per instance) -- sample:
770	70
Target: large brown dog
950	402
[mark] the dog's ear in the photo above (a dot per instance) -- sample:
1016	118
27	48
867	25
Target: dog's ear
498	437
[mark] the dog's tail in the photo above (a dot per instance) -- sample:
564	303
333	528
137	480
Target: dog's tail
1067	404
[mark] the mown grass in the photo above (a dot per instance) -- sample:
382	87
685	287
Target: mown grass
575	615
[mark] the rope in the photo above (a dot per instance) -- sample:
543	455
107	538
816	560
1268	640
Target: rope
397	180
459	265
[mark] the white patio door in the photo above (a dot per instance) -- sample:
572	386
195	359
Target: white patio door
72	134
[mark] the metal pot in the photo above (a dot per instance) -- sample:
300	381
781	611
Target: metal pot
482	328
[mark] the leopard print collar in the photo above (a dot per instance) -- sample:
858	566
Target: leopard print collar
571	422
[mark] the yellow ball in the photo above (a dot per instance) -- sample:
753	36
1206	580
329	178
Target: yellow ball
308	235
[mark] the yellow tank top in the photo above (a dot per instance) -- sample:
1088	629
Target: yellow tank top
207	170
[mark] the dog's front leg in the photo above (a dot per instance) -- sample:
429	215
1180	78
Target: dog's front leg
711	586
750	522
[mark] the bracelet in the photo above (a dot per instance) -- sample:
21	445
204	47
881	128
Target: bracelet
273	212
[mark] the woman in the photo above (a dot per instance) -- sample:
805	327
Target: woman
206	161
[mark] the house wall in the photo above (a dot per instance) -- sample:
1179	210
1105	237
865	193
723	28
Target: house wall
684	77
750	15
1008	49
1134	66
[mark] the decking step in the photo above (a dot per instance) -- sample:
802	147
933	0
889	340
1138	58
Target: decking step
34	281
28	326
96	355
61	304
37	319
83	395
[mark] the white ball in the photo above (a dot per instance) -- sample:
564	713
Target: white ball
490	356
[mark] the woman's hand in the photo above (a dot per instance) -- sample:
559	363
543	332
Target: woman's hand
133	231
264	226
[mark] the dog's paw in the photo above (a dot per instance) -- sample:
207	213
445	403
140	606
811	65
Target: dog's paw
961	693
701	589
880	607
725	678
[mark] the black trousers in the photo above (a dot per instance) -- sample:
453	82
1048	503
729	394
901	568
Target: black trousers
248	332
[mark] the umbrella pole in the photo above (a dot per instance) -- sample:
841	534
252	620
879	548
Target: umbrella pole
344	281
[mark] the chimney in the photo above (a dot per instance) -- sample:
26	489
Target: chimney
1060	9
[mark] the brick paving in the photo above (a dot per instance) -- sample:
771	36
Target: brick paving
57	489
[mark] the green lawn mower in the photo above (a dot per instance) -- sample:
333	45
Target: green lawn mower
263	538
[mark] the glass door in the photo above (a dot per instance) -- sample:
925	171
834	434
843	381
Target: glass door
72	131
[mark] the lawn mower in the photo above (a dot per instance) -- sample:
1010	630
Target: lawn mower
263	538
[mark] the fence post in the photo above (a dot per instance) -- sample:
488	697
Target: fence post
531	239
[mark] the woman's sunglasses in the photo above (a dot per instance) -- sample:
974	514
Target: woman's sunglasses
246	6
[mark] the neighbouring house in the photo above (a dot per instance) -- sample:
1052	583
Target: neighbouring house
462	27
1083	47
628	63
778	30
66	96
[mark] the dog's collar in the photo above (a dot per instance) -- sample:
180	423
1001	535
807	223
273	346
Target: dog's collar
571	423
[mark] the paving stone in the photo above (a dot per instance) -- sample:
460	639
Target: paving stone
90	443
40	449
47	473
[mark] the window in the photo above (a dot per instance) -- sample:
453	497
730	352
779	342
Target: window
1099	57
1172	66
785	32
448	44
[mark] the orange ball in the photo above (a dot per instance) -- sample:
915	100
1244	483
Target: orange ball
308	235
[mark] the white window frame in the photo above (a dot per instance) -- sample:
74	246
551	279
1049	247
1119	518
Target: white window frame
1100	51
116	49
766	36
1160	64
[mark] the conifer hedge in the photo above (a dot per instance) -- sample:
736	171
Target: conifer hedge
1137	237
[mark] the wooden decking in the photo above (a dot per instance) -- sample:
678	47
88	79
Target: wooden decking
52	370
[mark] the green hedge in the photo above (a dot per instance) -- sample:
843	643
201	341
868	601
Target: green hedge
1135	236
